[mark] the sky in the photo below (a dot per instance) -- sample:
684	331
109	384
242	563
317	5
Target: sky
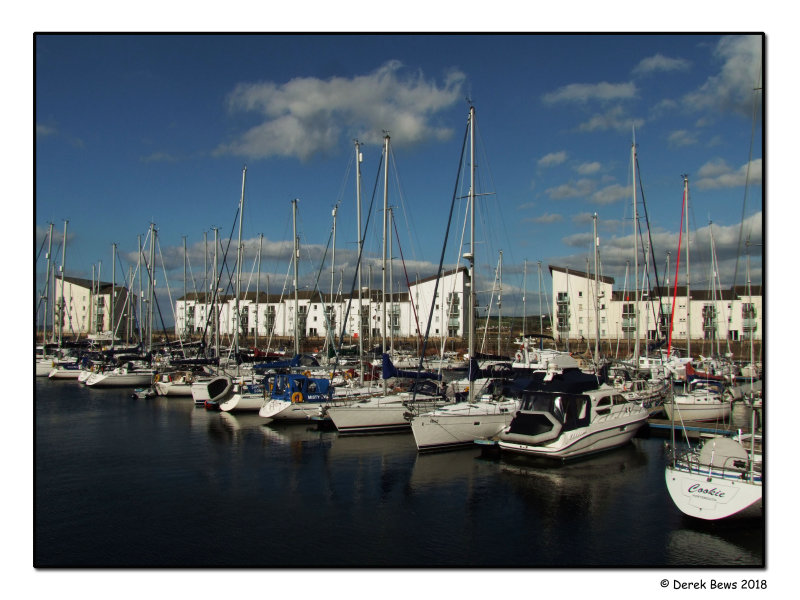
139	129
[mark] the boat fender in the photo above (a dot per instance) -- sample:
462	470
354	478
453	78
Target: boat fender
297	397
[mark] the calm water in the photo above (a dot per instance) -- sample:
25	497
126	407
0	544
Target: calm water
124	482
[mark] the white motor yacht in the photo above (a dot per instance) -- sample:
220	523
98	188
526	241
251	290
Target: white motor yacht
564	426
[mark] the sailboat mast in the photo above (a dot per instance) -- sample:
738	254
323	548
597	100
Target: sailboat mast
471	256
185	312
383	260
333	276
152	269
499	302
141	293
214	297
358	266
47	303
391	285
296	254
114	290
63	309
596	293
524	293
258	281
239	258
635	255
541	321
688	279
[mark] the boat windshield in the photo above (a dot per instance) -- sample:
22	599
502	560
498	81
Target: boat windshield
569	409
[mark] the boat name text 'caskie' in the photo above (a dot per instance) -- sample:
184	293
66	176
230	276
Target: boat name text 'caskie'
709	492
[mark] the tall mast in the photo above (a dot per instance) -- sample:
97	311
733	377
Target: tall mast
92	328
215	299
391	285
205	281
141	293
63	309
114	291
541	324
524	293
331	323
471	256
239	258
185	311
294	261
596	294
47	303
358	266
152	268
383	260
635	254
258	281
499	301
688	279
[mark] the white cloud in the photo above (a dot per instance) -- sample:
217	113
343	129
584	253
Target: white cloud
573	189
552	159
589	168
681	137
306	115
717	174
611	194
615	119
546	218
584	92
732	88
659	62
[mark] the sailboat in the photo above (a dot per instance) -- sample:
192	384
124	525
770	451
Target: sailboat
461	423
720	479
384	411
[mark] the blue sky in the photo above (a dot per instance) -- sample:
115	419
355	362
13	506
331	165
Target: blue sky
133	129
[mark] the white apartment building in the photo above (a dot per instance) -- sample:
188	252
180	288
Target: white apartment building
407	313
734	314
86	309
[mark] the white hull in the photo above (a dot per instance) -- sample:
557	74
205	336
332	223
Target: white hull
171	388
461	424
716	497
698	411
61	373
243	403
369	416
282	410
597	437
43	367
116	379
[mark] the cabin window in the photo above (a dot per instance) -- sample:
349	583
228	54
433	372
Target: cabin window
619	399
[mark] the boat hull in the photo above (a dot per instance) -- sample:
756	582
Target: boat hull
357	419
284	410
581	442
112	379
711	497
707	411
242	403
446	430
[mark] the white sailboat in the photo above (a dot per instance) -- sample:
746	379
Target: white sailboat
722	478
701	401
461	423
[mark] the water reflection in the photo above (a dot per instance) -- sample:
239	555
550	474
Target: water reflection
590	486
735	546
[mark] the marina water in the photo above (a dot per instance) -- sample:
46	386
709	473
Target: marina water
121	482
